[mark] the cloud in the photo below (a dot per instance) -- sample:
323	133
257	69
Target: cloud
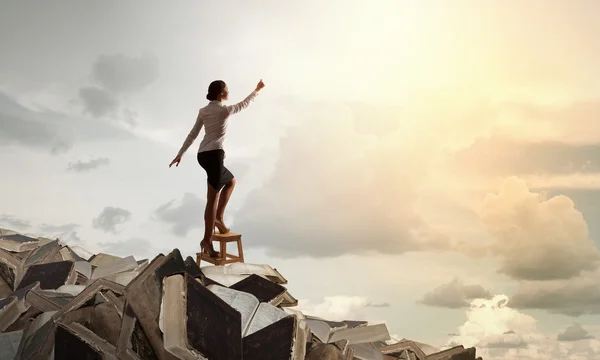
504	341
49	130
572	297
454	295
500	332
574	332
58	228
25	128
13	222
66	233
84	166
183	216
503	156
121	73
110	218
129	116
378	305
336	191
489	319
537	238
564	122
98	102
372	119
117	75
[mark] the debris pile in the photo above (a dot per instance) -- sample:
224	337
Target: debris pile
61	302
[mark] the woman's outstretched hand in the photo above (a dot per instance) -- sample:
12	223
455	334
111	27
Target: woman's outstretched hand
175	161
260	85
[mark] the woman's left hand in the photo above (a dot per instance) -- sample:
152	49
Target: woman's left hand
175	161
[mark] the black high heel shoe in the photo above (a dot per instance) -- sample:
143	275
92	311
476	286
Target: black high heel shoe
207	248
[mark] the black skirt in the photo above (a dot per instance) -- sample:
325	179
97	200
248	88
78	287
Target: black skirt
216	172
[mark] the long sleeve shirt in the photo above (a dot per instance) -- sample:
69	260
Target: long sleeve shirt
215	119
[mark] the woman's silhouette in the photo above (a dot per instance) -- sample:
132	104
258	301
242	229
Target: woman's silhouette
215	119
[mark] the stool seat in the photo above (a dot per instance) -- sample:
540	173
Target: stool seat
229	237
223	257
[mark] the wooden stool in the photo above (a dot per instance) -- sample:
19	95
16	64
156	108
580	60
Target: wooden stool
223	257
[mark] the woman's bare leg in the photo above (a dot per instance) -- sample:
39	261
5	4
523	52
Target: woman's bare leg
212	198
223	200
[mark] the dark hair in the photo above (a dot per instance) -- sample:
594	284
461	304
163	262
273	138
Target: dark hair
214	89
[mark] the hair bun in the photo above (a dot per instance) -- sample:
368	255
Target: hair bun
207	96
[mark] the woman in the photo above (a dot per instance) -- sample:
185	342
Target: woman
215	119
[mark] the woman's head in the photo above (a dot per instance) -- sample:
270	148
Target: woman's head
217	90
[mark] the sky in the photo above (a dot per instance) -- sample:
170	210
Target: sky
433	165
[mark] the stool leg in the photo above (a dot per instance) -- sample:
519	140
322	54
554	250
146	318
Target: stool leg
240	250
223	248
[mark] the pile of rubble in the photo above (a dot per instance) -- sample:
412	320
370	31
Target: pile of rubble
61	302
